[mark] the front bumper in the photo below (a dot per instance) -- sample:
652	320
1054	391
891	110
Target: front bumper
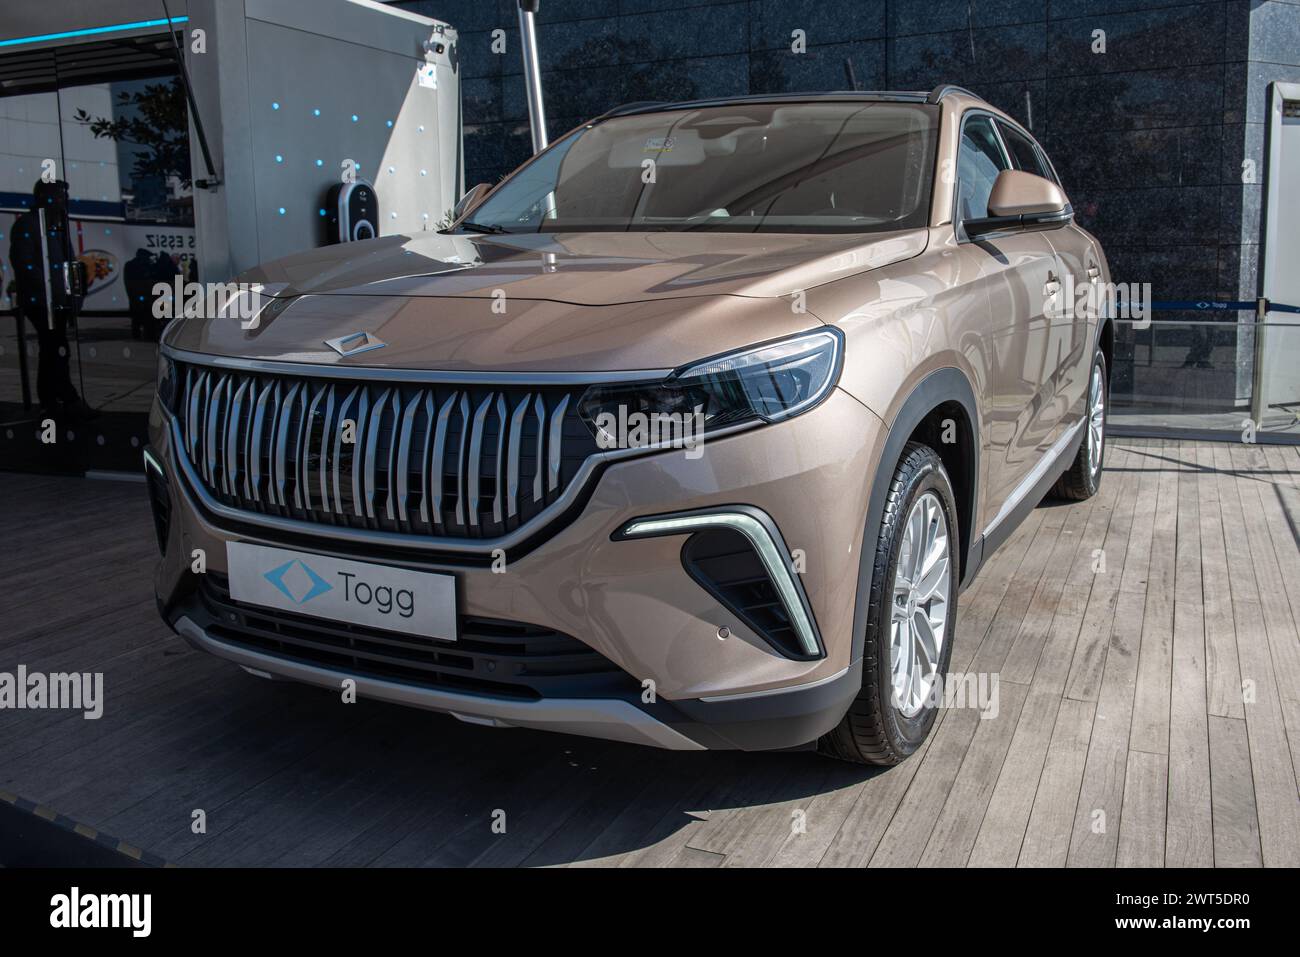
628	598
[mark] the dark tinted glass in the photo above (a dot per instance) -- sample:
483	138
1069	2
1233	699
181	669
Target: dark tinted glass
793	167
1022	151
978	165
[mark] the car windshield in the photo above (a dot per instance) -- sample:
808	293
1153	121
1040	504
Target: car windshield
804	167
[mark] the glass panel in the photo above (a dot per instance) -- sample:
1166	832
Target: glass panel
1200	375
811	167
123	149
1022	151
127	155
39	366
978	165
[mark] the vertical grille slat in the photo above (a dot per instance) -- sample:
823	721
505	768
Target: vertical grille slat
404	457
191	413
512	466
460	459
284	418
336	465
476	457
324	468
539	407
301	473
554	445
358	434
372	451
253	470
500	478
424	459
436	466
210	433
390	465
425	519
233	428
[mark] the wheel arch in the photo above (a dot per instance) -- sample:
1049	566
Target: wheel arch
1106	343
944	393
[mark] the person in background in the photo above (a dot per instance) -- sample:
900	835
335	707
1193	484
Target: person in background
137	276
32	255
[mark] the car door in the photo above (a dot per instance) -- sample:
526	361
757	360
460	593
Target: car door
1024	287
1069	327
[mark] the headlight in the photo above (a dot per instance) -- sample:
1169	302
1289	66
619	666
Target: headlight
768	383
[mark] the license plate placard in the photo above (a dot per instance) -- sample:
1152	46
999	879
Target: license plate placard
361	593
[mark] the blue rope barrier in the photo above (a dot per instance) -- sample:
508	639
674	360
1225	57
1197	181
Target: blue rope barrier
1210	305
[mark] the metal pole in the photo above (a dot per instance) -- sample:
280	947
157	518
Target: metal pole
532	72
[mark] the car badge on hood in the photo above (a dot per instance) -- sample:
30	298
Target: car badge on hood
354	343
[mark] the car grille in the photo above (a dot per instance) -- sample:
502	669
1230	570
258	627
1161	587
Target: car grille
422	459
490	656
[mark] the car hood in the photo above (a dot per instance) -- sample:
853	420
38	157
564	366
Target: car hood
550	303
590	269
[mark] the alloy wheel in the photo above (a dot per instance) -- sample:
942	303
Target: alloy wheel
919	611
1096	420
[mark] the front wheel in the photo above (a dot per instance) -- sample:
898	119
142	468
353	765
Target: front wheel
1082	479
910	619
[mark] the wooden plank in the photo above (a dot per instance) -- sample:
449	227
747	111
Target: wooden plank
905	838
1142	822
1236	825
959	822
1222	673
1150	729
1189	834
1007	816
1272	764
1047	835
826	814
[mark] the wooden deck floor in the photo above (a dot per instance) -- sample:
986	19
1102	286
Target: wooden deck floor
1123	631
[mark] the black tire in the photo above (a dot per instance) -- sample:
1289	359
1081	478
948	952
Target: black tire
1081	480
875	730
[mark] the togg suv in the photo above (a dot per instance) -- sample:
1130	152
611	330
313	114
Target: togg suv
688	433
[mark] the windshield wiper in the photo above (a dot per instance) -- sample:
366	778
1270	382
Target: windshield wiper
483	227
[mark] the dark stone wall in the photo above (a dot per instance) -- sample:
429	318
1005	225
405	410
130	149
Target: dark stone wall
1149	137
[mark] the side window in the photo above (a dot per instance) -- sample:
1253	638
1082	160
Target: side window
978	163
1022	151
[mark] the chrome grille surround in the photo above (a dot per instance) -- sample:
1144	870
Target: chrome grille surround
430	461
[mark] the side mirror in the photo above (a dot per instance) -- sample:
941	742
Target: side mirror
470	201
1021	200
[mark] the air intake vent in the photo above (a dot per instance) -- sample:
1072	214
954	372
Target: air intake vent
727	567
490	656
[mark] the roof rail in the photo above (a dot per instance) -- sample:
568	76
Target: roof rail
943	89
653	106
634	107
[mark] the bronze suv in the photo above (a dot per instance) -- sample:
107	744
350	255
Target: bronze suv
688	433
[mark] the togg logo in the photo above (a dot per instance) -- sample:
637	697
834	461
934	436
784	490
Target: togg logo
297	581
300	583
